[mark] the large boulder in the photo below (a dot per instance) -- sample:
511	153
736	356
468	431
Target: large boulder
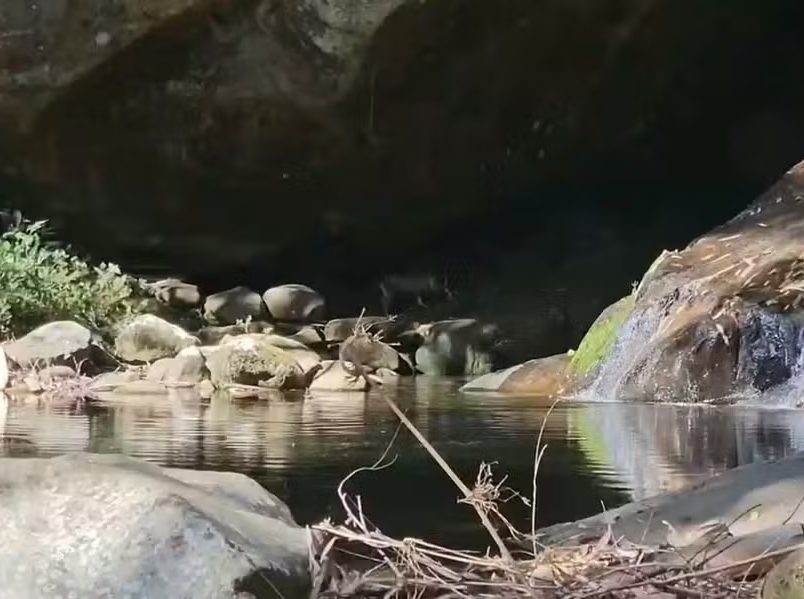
233	305
251	360
148	337
95	526
294	303
175	293
722	316
457	347
63	342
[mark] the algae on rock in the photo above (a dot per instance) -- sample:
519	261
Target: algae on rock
599	340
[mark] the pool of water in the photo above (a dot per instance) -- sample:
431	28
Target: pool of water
599	454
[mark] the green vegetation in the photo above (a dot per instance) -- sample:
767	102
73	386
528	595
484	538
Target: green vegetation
600	337
40	283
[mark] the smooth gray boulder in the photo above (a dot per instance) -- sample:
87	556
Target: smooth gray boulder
62	342
148	337
176	293
294	303
233	305
93	526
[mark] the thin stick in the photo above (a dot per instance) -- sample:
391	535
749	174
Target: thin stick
504	553
699	574
537	460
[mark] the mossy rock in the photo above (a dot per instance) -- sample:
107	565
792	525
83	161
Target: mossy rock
599	339
249	362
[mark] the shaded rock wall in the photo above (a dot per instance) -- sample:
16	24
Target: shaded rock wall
554	145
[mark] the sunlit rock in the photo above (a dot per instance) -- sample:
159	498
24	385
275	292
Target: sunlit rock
542	376
57	343
95	526
251	360
148	338
294	303
233	305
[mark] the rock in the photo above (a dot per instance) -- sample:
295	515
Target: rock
457	348
148	338
720	317
294	303
109	381
786	580
214	335
233	305
250	360
188	367
340	329
598	342
332	377
368	352
54	373
312	337
95	526
543	376
176	294
307	358
158	370
57	343
744	500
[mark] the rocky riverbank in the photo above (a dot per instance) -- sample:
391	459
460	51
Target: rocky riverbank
240	342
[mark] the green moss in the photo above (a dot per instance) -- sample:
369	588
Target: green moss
600	337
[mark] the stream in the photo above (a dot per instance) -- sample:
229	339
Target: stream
599	454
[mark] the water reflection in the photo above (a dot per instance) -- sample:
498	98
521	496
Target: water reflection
301	449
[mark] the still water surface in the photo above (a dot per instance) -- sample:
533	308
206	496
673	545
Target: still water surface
598	453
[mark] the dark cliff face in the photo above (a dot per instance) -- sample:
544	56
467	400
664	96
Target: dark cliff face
554	146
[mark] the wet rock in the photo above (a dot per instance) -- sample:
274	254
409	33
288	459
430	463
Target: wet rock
369	353
332	377
148	338
109	381
233	305
176	294
457	348
340	329
250	360
96	526
743	501
294	303
62	342
543	376
719	317
214	335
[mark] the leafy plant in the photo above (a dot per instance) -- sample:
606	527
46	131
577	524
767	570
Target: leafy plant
41	282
